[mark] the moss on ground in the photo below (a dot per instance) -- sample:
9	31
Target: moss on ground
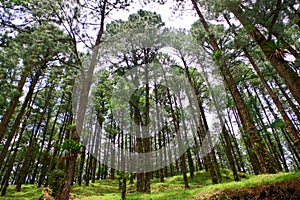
173	188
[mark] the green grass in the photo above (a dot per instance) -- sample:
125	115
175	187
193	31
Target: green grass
172	188
28	192
97	190
252	182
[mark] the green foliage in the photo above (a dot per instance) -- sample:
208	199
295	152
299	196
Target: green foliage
42	44
141	19
254	181
217	54
72	126
56	181
71	146
15	2
29	192
297	62
198	32
278	123
171	189
276	49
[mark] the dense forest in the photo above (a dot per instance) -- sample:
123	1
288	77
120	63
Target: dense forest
87	98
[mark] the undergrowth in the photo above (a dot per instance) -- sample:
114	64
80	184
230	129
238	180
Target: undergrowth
250	187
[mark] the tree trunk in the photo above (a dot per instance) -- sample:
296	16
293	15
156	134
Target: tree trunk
88	169
64	195
229	154
124	187
25	167
82	158
5	181
13	104
252	156
275	134
261	124
54	159
291	128
19	117
290	77
179	139
235	147
260	149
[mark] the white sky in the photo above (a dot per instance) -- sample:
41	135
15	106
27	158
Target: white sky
171	20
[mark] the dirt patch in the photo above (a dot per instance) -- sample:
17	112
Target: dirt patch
276	191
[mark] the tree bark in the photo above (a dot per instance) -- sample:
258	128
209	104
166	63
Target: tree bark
19	117
25	167
229	154
64	195
291	128
179	139
260	149
124	187
290	77
13	104
5	181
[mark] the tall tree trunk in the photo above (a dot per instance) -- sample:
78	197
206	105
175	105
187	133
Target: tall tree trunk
25	167
291	128
71	161
179	138
6	178
19	117
82	158
64	195
167	136
290	77
123	187
53	160
159	138
41	146
289	140
203	130
88	169
46	159
229	154
212	167
259	120
289	100
146	139
13	104
139	149
260	149
88	76
215	167
235	147
249	148
275	134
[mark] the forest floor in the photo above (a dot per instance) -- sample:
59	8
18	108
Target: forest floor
267	186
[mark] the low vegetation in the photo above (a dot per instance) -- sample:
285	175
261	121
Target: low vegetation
91	89
267	186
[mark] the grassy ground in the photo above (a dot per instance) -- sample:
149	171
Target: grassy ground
172	188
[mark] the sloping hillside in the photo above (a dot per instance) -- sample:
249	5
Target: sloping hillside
268	186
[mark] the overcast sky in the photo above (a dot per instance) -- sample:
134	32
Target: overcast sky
171	20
